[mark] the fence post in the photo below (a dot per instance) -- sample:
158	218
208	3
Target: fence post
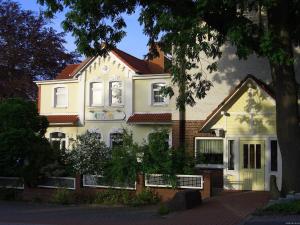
207	187
78	182
140	183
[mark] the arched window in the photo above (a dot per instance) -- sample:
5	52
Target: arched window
116	139
58	140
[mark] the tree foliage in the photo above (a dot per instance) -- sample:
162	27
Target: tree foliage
30	50
23	148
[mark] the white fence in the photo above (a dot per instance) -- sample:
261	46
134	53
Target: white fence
11	182
182	181
97	181
59	182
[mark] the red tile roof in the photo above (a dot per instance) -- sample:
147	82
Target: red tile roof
260	83
137	65
66	73
150	118
62	119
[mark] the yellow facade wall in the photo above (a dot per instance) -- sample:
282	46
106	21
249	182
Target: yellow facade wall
47	99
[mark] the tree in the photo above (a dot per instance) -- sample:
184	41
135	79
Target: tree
89	154
203	27
23	148
31	50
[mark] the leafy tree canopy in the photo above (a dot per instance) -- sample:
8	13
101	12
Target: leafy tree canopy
23	149
30	50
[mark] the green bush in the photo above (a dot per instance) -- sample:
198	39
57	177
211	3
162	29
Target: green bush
63	196
146	197
292	207
112	197
8	194
163	210
84	197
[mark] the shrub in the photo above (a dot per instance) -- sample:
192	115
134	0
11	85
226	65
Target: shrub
89	155
63	196
292	207
123	167
146	197
113	197
163	210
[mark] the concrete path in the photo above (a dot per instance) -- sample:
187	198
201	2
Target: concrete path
226	209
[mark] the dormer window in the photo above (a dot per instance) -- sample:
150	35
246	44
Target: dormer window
96	94
60	97
157	96
116	93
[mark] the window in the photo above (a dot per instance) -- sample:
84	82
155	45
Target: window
209	151
60	97
157	96
96	94
116	139
116	93
231	155
58	140
274	152
252	156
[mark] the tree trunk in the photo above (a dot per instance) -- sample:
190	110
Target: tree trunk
286	93
182	128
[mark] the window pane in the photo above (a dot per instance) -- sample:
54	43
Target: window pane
116	139
57	135
60	96
258	156
274	152
97	94
209	151
252	156
231	154
157	95
116	93
246	157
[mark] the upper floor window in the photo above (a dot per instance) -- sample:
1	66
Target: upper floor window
157	96
115	93
60	97
58	140
96	94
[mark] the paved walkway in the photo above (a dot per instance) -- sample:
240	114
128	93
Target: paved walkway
226	209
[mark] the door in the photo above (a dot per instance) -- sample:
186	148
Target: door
252	164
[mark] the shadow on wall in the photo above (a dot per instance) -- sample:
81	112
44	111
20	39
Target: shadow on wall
231	69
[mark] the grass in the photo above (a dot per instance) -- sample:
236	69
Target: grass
292	207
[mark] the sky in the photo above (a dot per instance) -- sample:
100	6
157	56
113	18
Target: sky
134	43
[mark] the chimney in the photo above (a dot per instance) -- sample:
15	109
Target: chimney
157	64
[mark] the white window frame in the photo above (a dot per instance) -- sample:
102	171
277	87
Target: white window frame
212	166
54	98
91	93
165	102
110	93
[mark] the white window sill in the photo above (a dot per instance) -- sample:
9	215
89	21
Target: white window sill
159	104
210	166
60	106
117	106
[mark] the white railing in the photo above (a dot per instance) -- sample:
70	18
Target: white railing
97	181
11	182
182	181
59	182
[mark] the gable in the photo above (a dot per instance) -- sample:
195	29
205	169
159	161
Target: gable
249	110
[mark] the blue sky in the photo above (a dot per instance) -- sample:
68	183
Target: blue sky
135	42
